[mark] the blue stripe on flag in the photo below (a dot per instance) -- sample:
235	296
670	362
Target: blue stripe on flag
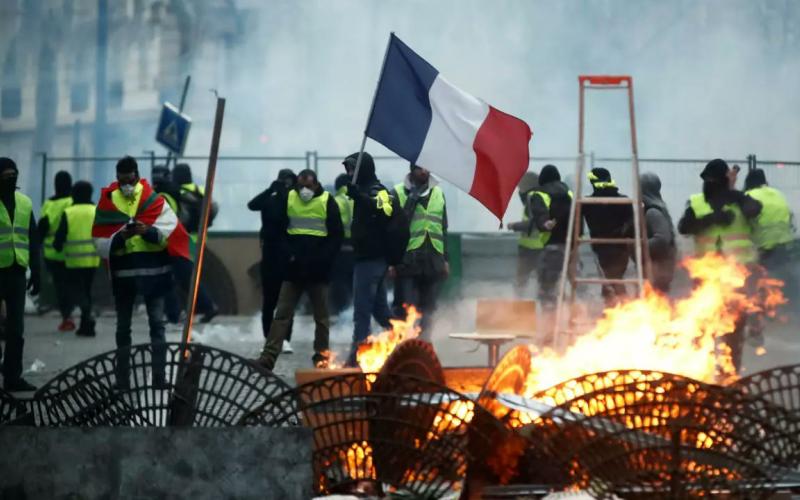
402	112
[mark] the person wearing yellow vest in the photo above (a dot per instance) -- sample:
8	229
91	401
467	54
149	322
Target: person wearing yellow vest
313	235
189	202
531	242
19	250
720	220
341	292
550	208
51	214
74	239
418	278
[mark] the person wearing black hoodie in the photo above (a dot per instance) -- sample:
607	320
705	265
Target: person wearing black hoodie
19	250
372	211
313	234
609	221
51	214
660	233
274	258
550	207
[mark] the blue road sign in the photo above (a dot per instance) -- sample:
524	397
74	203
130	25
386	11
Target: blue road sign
173	129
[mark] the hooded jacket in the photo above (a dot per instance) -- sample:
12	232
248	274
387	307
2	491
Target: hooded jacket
425	260
369	221
607	221
560	203
660	232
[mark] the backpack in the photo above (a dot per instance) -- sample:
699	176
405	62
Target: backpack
191	209
396	234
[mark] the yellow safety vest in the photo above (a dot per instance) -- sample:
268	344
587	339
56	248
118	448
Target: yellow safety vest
171	202
345	209
733	239
129	206
545	235
14	240
52	210
79	248
307	218
535	239
773	226
426	222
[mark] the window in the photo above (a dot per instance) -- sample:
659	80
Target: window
79	97
10	102
115	94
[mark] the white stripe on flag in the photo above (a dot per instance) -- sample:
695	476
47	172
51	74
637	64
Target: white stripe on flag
447	150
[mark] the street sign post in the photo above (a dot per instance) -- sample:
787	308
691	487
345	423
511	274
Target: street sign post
173	129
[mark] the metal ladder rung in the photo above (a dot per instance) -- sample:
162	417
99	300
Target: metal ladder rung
605	200
608	241
608	281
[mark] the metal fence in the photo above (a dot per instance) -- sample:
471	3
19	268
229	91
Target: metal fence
240	178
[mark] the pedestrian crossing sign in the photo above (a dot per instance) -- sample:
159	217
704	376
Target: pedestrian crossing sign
173	129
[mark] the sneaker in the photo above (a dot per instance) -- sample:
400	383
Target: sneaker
67	325
19	385
86	330
287	347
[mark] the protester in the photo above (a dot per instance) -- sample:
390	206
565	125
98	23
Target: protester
190	203
660	233
136	229
550	207
609	221
52	211
720	221
74	238
19	250
274	256
313	234
530	244
341	292
372	213
425	266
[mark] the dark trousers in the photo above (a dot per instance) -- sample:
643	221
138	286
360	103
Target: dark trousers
176	298
124	299
341	289
369	300
549	273
12	292
527	262
271	282
613	263
80	291
287	303
422	292
58	272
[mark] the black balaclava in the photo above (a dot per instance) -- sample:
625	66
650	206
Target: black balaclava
600	178
549	174
287	174
755	178
366	171
182	174
63	184
127	164
7	187
715	178
162	179
341	181
82	192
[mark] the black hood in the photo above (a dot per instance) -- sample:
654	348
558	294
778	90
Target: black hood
182	174
755	178
549	174
82	192
366	171
63	184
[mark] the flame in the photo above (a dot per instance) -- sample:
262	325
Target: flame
357	461
455	414
654	334
374	352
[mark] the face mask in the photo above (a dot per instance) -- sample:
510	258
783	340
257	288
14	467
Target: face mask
306	194
128	190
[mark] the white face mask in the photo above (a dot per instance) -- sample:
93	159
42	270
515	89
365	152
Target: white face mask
128	190
306	194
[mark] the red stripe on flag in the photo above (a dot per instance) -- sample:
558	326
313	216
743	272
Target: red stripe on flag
501	148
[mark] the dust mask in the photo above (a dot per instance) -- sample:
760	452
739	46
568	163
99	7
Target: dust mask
128	190
306	194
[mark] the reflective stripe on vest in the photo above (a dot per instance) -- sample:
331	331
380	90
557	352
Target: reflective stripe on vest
146	271
345	210
307	218
733	239
533	239
53	210
79	248
426	221
545	235
773	226
129	206
14	239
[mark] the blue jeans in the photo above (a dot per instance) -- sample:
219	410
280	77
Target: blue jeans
369	300
124	300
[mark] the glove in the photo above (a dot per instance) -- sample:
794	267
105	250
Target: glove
34	284
723	217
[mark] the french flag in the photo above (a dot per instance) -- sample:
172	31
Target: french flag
427	120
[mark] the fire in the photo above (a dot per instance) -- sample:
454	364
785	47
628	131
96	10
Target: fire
357	461
654	334
456	414
374	352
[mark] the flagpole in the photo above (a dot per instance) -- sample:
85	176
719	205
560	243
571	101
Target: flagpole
371	109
